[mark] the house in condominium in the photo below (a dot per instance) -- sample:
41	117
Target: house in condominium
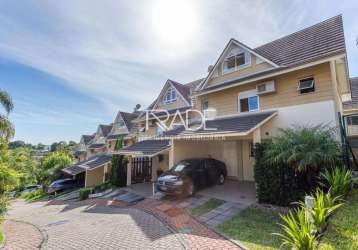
95	152
247	95
81	153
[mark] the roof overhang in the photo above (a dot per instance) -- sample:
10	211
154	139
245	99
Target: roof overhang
220	134
143	154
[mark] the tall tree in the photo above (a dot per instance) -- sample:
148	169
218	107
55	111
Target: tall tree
6	127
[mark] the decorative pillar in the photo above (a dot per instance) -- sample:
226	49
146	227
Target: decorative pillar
257	135
129	171
171	155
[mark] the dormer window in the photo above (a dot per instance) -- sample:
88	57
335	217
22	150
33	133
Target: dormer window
170	96
235	61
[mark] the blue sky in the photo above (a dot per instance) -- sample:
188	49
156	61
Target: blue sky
70	65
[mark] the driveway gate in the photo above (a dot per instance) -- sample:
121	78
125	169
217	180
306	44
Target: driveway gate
141	169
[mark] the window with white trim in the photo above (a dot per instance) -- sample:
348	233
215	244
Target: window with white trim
236	60
306	85
249	101
205	105
170	95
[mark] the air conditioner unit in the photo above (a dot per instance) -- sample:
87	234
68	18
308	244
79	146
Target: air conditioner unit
266	87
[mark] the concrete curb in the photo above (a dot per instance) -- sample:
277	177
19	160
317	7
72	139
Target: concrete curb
42	232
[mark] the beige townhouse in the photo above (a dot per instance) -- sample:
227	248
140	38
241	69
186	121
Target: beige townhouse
247	95
95	152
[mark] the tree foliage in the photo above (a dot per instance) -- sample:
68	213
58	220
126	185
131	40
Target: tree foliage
304	148
51	164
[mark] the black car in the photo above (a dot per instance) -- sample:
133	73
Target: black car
61	185
190	175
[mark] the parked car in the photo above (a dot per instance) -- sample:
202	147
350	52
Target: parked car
31	188
190	175
61	185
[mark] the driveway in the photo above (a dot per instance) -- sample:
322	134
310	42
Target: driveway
76	226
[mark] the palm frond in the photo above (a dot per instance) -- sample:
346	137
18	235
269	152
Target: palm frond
6	101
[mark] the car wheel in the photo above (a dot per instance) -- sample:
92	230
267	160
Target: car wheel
190	189
221	179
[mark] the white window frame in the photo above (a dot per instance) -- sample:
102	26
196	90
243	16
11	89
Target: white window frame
313	85
248	94
247	63
169	93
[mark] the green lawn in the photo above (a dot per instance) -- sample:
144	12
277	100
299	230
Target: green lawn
206	207
1	237
342	232
253	227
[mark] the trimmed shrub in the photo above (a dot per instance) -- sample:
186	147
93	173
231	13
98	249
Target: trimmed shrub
85	192
102	187
278	184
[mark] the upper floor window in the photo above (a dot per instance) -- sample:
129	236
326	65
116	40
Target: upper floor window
170	96
306	85
235	61
249	101
205	105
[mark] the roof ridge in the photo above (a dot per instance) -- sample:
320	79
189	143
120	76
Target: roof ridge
302	30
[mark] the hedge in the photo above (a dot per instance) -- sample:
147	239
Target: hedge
85	192
280	184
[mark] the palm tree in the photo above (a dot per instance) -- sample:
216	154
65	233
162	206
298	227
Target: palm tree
6	127
304	148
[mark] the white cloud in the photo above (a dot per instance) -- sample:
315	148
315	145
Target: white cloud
110	49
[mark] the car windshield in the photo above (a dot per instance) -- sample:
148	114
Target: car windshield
181	167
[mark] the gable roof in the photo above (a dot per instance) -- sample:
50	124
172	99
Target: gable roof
319	41
105	129
353	104
128	118
87	138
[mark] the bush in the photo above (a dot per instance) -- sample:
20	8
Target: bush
298	230
278	184
338	180
4	202
288	167
102	187
85	192
34	195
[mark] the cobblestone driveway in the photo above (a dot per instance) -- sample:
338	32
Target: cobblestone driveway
75	226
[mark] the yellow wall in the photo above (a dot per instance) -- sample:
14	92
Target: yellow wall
226	101
94	177
220	77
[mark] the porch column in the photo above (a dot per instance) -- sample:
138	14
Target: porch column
104	173
129	171
171	155
155	164
257	135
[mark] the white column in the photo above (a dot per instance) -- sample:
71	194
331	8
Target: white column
129	171
171	155
257	135
155	165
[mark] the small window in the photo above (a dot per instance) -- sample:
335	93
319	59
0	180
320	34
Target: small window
352	120
170	96
205	105
249	104
306	85
234	62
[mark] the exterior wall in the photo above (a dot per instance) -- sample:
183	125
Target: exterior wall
94	177
234	153
226	101
305	114
177	104
254	68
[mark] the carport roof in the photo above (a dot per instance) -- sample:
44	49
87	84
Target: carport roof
148	148
89	164
235	125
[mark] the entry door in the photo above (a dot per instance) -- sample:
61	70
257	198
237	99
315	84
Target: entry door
248	161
